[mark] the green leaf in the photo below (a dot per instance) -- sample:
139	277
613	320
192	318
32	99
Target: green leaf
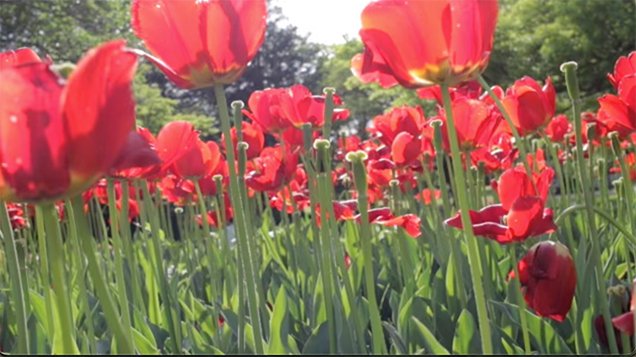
143	344
466	338
547	339
431	344
318	342
279	325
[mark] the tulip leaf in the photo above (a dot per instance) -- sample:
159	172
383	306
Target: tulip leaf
431	344
466	338
279	325
545	336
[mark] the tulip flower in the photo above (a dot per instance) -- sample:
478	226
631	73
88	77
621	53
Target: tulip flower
625	66
521	213
529	105
200	43
271	170
548	279
402	119
558	127
422	43
55	140
618	112
277	109
252	135
475	122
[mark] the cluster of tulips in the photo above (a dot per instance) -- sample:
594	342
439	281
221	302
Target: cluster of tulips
69	140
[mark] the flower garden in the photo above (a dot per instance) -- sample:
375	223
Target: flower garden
497	225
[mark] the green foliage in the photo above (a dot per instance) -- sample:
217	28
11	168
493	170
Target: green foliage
534	37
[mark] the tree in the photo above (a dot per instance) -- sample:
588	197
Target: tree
535	36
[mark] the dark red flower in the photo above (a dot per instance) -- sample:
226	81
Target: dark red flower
139	157
200	43
548	279
421	43
55	140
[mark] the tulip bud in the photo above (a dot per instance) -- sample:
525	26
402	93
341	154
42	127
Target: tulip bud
571	80
548	278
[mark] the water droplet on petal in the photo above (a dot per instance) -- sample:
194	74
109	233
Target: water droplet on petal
13	119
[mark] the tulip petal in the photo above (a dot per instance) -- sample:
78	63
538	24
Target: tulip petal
99	109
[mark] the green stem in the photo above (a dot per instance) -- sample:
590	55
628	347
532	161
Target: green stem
569	68
471	240
360	177
88	247
62	301
520	303
119	260
239	221
17	288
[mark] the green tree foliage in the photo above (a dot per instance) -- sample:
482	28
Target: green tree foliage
535	36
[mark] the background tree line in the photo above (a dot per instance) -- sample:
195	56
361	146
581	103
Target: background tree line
533	38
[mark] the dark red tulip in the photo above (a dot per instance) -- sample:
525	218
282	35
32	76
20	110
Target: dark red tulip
55	139
138	158
548	279
200	43
421	43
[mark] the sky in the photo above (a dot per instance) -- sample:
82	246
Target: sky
326	21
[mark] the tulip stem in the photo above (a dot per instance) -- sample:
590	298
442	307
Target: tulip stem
571	81
78	222
119	261
244	241
62	300
17	287
471	240
360	177
520	303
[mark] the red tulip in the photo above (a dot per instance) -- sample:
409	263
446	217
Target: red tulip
558	127
252	135
18	57
271	170
174	140
548	279
200	43
56	140
402	119
470	89
139	157
529	105
618	113
625	66
475	122
421	43
277	109
409	222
